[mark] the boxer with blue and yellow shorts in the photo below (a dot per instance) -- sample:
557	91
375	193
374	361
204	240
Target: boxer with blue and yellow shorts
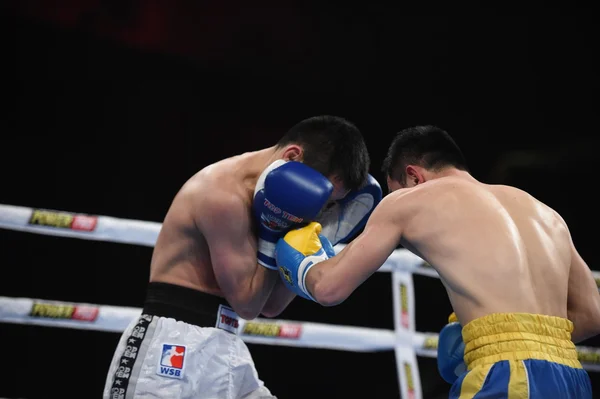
514	355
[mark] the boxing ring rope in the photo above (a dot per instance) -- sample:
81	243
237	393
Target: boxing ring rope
404	339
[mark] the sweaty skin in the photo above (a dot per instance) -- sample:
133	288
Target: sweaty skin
208	240
496	248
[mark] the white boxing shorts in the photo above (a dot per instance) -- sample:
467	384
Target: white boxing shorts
167	357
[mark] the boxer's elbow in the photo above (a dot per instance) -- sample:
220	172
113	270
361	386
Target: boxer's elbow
270	314
595	318
586	322
272	310
595	330
584	328
329	293
244	307
247	314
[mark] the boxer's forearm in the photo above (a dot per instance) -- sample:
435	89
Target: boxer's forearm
322	284
335	279
332	281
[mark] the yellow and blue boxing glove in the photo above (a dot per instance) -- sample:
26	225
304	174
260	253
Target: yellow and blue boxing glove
451	351
298	251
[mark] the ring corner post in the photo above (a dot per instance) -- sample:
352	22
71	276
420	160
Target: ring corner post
404	325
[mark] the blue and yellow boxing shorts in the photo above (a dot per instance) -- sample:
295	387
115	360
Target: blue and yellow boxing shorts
521	355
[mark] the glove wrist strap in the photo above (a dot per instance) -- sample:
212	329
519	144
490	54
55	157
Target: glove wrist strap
303	269
266	254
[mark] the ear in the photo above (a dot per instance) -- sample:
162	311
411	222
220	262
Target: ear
414	175
293	152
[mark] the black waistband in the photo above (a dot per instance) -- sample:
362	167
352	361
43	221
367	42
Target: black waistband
183	304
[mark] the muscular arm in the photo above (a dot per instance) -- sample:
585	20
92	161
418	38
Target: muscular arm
330	282
226	223
583	304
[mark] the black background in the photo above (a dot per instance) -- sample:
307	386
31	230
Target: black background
111	105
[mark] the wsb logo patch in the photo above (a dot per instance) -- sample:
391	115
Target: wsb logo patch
172	361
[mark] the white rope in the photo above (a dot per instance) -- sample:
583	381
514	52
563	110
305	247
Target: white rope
258	331
77	225
136	232
139	232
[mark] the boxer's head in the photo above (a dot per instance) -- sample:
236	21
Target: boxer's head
331	145
418	154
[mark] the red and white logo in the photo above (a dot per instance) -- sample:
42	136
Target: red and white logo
404	319
85	313
84	222
171	361
290	331
227	319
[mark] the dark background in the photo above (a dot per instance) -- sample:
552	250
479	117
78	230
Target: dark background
111	105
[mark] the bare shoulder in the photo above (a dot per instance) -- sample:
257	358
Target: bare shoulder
431	190
513	191
215	194
525	200
519	195
395	204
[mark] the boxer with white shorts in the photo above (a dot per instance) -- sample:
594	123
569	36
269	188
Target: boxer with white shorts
214	261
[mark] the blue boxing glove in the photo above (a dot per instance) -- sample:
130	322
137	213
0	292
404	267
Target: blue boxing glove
287	195
347	216
451	351
297	252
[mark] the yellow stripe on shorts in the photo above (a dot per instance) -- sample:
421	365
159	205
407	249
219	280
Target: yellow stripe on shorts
473	382
518	384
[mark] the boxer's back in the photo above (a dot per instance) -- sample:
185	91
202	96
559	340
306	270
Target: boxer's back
496	248
181	255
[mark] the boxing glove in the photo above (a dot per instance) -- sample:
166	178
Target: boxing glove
297	252
346	217
287	194
451	351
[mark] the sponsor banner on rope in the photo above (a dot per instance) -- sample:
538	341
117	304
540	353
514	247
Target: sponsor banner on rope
84	313
588	355
404	311
403	296
430	343
273	330
410	380
408	372
63	220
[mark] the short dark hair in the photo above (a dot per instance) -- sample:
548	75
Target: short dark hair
427	146
332	146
